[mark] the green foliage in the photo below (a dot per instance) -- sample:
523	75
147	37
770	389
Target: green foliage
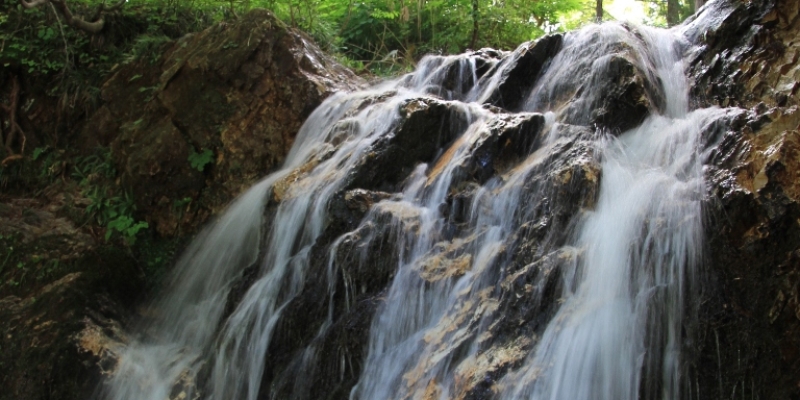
371	30
104	208
115	213
31	47
92	168
7	243
70	64
107	208
388	35
125	226
199	161
156	255
146	47
37	152
19	262
376	34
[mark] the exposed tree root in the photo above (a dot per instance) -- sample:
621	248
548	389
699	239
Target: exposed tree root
14	128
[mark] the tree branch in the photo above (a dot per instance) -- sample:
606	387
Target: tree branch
95	25
79	23
33	3
11	110
63	36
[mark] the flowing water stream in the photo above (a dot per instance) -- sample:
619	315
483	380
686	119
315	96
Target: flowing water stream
622	265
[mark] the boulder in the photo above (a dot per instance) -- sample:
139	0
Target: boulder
216	111
424	125
518	72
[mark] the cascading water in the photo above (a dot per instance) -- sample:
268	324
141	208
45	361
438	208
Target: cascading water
599	288
623	298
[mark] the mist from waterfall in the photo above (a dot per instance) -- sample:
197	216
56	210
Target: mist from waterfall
621	268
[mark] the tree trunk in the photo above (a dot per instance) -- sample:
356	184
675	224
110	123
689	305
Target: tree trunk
698	4
599	11
672	12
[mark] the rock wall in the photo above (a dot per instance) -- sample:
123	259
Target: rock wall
748	339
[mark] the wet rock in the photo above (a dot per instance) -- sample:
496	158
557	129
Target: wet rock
520	71
459	78
745	54
64	294
448	338
616	89
365	260
329	366
361	201
445	261
499	145
318	344
368	256
621	103
218	110
527	294
425	126
749	333
477	374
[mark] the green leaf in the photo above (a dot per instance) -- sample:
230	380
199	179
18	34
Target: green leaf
37	152
199	161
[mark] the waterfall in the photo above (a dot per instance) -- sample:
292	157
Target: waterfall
623	298
525	281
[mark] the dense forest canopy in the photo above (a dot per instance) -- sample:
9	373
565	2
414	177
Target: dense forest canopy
69	46
361	31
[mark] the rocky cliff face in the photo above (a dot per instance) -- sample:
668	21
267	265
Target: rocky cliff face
747	341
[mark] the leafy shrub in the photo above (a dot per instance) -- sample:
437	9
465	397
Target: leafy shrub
95	174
